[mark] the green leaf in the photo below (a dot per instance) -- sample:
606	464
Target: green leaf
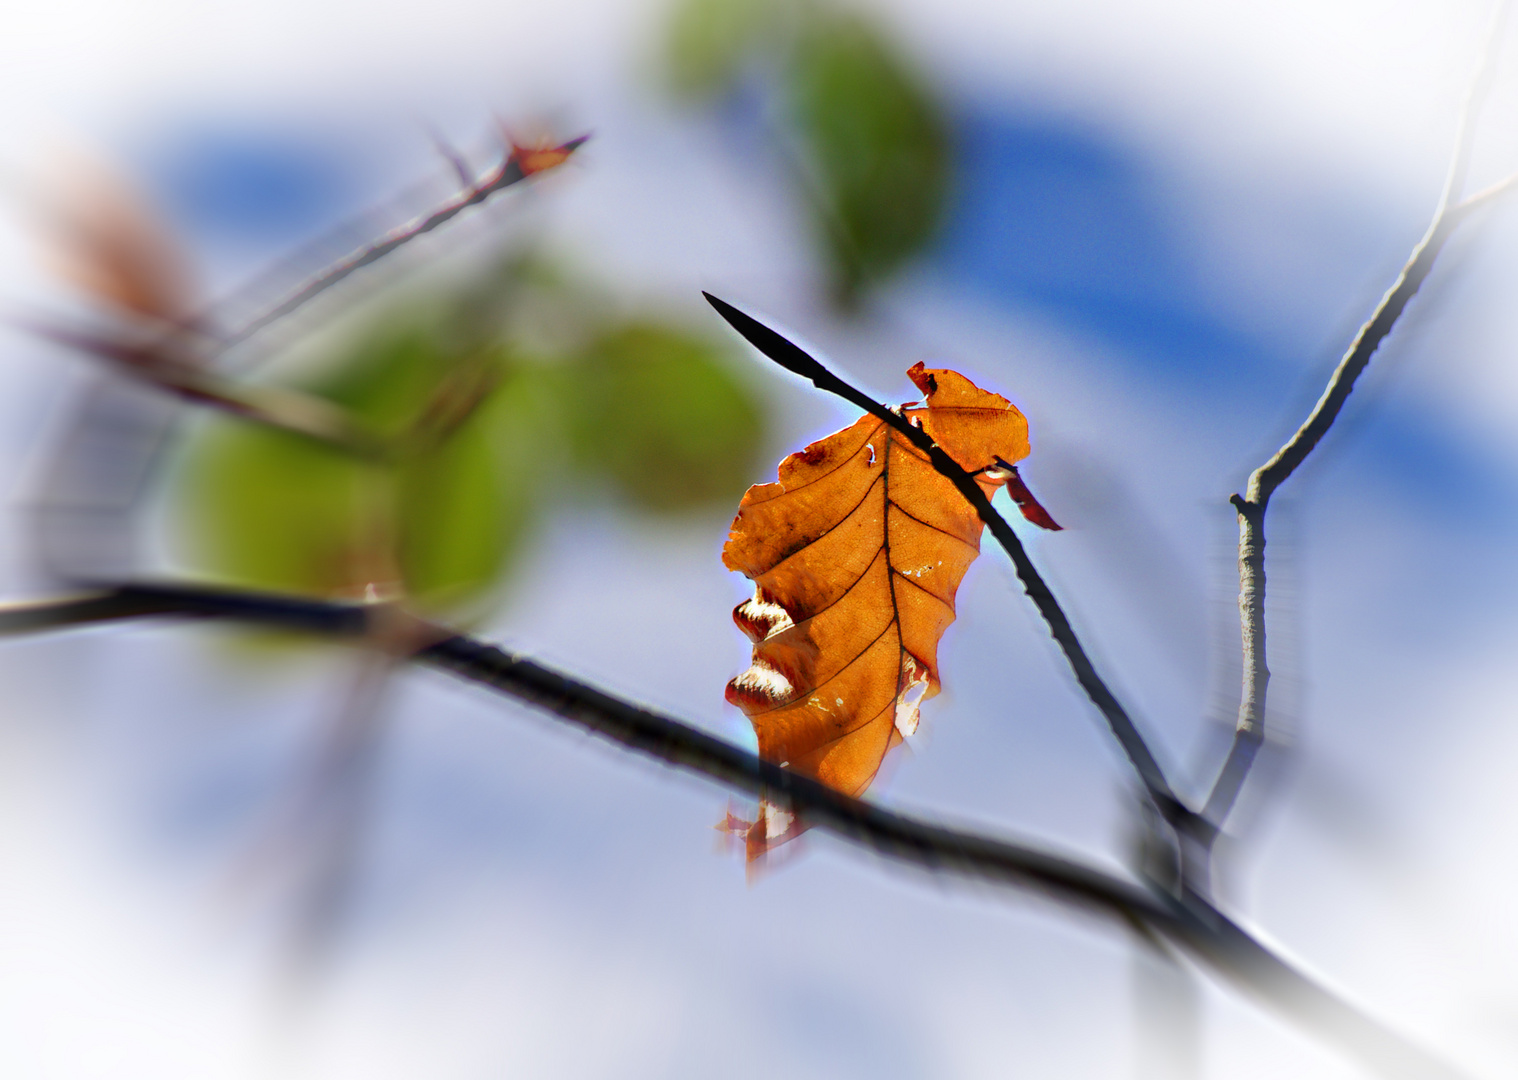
386	380
658	413
273	511
877	146
444	517
466	507
710	41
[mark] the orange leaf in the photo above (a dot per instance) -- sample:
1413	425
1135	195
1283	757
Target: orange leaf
536	159
856	554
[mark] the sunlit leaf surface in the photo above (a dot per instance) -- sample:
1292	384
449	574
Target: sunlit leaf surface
856	554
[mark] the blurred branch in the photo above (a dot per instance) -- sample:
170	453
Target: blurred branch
289	410
520	163
455	401
1188	920
450	154
332	817
141	601
1485	195
1249	731
791	357
451	406
1167	1012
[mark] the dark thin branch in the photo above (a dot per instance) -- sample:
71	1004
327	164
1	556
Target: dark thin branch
639	729
1268	477
793	358
1249	731
118	604
1188	921
516	168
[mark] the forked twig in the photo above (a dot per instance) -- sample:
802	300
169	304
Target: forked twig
1249	731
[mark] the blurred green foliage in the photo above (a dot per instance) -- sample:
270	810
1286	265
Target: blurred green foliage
519	389
484	430
658	416
711	40
872	147
878	145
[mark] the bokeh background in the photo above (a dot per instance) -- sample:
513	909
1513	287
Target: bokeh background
1154	226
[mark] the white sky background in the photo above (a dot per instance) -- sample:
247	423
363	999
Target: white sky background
538	905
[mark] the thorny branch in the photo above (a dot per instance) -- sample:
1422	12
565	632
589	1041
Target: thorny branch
793	358
167	363
1189	921
1249	731
518	166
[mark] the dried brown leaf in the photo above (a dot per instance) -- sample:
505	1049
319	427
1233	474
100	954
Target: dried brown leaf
856	554
107	241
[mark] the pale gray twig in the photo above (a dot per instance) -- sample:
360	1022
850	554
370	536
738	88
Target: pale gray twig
1249	731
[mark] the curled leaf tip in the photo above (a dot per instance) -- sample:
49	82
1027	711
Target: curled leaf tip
1031	508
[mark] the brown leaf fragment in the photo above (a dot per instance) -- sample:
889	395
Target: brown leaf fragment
1031	508
533	159
107	241
733	824
856	553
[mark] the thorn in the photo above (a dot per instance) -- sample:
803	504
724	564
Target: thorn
451	155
